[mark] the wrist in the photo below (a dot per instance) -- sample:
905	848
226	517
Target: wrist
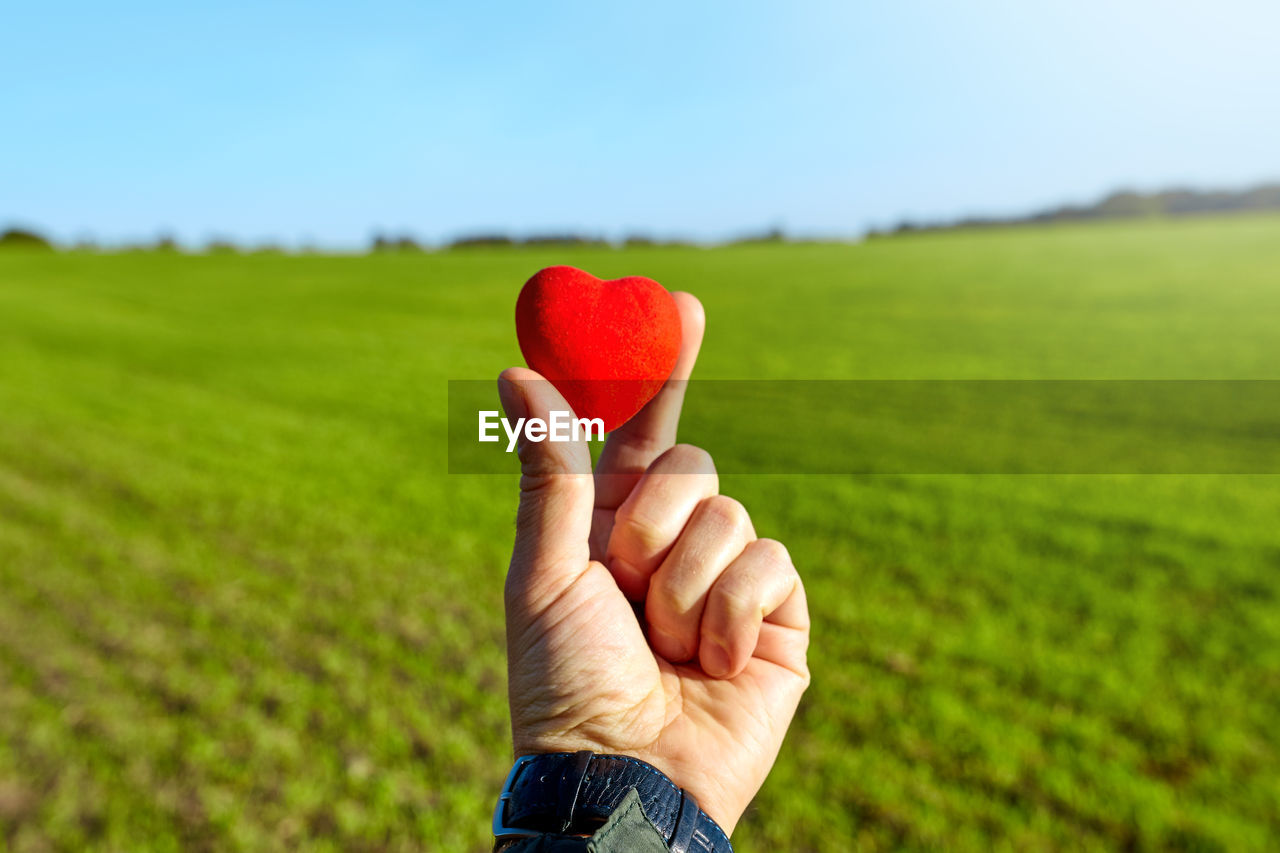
575	793
716	796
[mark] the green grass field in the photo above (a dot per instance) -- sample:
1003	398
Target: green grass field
242	605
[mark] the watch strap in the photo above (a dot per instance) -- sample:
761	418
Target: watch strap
565	791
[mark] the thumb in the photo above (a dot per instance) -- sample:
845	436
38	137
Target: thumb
556	494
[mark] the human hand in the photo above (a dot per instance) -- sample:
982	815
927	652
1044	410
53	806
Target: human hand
702	676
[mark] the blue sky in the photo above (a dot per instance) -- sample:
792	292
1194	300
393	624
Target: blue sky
321	122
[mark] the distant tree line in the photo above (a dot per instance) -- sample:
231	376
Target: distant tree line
1122	204
1118	205
23	238
497	240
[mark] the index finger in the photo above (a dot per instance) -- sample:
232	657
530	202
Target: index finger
634	446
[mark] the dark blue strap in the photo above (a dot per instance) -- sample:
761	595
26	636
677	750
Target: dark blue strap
681	840
571	786
584	789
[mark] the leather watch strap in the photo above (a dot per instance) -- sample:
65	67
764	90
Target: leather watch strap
566	791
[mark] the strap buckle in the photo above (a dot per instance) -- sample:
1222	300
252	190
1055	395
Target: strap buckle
500	828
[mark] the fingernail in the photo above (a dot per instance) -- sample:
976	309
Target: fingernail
715	659
668	646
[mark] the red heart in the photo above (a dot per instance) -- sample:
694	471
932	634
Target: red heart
607	346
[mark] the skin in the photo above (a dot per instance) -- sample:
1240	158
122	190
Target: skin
644	615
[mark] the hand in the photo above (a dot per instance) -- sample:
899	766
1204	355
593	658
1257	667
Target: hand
703	683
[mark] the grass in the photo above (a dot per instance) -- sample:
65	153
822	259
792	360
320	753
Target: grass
242	605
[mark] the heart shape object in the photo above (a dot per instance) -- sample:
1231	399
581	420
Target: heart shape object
607	346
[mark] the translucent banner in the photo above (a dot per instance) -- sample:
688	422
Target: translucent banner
932	426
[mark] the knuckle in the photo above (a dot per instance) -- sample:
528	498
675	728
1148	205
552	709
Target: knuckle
669	595
641	529
774	554
735	598
728	512
688	459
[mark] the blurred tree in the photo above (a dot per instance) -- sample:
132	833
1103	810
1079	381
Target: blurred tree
403	243
221	246
769	235
19	238
564	240
482	241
